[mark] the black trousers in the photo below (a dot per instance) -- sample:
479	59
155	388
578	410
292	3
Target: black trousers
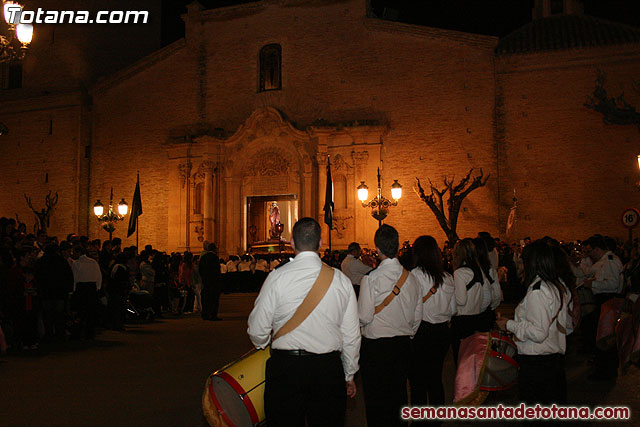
86	298
309	387
464	326
542	379
384	364
429	347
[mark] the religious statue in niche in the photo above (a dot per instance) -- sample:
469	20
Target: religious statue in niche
274	220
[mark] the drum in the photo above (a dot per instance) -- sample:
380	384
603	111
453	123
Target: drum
500	369
609	315
485	363
234	395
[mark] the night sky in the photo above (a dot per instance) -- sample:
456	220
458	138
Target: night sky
489	17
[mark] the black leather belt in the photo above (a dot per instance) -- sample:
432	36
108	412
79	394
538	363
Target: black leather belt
292	352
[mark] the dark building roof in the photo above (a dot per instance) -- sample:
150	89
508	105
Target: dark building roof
566	32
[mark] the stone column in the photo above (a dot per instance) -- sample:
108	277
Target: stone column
185	174
208	208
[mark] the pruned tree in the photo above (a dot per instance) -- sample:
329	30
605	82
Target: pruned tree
44	214
448	219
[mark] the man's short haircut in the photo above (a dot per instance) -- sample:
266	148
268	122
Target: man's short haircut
353	246
306	234
387	240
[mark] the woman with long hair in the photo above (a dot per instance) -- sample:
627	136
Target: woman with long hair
541	324
468	282
185	277
491	288
431	342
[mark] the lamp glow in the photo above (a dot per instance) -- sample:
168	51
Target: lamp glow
396	190
363	191
98	208
638	161
123	208
7	13
24	32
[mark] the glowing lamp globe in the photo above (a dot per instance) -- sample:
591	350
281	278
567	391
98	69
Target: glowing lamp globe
396	190
363	192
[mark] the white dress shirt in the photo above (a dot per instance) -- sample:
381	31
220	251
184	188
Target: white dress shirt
86	269
244	266
532	326
608	275
262	265
232	266
331	326
402	316
437	309
494	258
468	302
491	292
354	269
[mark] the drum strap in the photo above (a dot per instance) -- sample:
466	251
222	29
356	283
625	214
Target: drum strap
394	292
310	302
429	294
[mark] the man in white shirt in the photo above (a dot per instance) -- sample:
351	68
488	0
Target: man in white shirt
353	267
390	306
87	280
310	372
606	283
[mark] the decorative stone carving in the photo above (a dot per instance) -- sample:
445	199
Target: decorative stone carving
338	163
205	167
199	229
269	163
184	169
341	223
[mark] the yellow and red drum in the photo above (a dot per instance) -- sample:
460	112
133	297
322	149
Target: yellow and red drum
234	395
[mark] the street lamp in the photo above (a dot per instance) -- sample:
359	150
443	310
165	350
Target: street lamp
13	47
379	205
108	220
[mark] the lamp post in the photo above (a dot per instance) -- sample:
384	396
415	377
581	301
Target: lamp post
379	204
13	46
108	220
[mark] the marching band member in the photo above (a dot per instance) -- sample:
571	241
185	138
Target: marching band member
432	340
468	281
310	372
390	308
491	294
541	324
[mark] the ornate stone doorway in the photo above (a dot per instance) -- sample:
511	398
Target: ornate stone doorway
263	212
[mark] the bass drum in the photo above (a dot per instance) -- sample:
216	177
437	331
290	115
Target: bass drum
234	395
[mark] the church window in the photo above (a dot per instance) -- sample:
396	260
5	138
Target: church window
270	67
340	189
557	7
199	196
11	75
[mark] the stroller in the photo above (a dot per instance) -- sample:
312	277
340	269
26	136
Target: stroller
139	306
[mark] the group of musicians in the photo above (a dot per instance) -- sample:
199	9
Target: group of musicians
310	373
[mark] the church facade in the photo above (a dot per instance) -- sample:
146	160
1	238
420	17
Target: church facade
247	109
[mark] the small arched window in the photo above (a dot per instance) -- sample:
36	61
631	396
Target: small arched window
270	67
340	188
199	196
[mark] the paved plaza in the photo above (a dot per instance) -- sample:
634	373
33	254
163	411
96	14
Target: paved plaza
154	374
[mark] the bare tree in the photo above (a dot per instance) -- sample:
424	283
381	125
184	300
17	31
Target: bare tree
614	110
457	192
45	213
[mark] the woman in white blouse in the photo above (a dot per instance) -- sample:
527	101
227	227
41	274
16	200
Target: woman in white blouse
491	293
541	324
432	340
468	282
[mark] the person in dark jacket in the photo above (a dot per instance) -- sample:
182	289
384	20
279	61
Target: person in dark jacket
209	269
118	288
54	280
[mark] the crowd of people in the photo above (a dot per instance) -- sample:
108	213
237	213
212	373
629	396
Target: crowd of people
414	303
53	291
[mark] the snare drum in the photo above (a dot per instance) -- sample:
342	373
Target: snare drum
234	395
500	369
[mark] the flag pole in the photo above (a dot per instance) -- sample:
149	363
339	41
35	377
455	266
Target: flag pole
138	220
330	225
